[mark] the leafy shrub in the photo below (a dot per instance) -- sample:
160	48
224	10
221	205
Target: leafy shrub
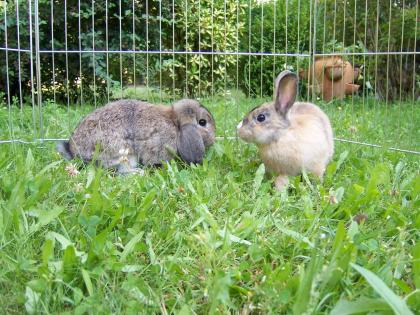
73	75
204	26
162	30
158	27
273	27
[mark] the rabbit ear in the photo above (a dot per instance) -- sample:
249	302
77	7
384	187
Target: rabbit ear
190	144
285	91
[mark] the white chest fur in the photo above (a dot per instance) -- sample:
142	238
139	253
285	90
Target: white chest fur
282	157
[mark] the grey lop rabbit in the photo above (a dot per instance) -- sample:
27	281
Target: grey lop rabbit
290	136
131	132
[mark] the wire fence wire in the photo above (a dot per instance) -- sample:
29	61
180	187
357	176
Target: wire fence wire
82	53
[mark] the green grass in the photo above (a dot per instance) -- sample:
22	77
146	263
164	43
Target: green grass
363	120
214	238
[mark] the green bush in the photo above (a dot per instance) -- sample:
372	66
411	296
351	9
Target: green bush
87	74
264	23
204	26
210	27
92	75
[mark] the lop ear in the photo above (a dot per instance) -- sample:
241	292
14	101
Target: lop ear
285	91
190	144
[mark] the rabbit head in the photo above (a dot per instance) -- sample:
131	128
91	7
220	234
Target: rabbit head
268	122
196	129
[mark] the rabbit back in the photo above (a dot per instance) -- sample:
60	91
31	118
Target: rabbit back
308	143
126	131
315	122
310	140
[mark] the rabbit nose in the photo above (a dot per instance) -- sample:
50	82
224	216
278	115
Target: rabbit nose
244	121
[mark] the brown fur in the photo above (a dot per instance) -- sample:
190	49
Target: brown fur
129	132
298	139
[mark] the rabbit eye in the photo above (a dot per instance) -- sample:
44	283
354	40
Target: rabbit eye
202	122
260	117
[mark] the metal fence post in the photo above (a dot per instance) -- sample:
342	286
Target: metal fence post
38	71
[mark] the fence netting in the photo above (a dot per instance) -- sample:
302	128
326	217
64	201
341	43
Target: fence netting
358	56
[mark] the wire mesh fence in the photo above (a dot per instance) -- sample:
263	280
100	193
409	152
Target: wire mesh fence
354	56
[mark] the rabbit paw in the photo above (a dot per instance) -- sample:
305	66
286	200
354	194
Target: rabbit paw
126	168
281	182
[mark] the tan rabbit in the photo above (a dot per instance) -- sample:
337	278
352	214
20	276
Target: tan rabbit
290	136
130	132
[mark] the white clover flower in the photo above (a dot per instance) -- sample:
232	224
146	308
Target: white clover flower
71	170
123	155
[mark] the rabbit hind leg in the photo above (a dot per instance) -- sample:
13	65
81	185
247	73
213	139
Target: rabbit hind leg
281	182
123	163
319	170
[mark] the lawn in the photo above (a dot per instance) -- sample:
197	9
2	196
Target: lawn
214	238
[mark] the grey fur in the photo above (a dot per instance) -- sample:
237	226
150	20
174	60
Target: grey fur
63	147
190	144
131	132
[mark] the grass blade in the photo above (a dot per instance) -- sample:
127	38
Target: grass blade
307	278
60	238
49	167
259	175
88	282
296	236
70	263
130	245
416	265
362	305
397	304
46	217
31	300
